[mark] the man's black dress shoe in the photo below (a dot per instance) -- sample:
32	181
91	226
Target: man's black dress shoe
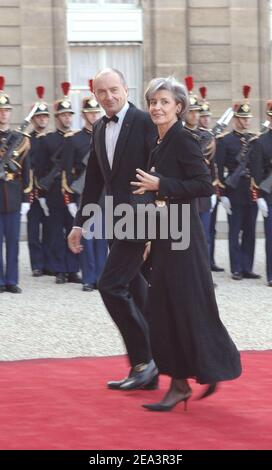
217	269
152	385
88	287
74	277
37	273
60	278
142	375
13	289
251	276
269	283
2	289
237	276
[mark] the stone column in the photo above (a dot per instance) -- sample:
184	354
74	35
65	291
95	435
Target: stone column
209	53
59	44
250	62
264	21
10	53
43	48
165	38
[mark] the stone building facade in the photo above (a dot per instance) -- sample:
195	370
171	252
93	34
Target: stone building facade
33	50
222	43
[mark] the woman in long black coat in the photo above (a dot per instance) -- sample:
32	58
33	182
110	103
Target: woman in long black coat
187	336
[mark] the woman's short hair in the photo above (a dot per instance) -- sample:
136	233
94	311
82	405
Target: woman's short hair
178	90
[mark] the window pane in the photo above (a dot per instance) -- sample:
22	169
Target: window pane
104	2
86	61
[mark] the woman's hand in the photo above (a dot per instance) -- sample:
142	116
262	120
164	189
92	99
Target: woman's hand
147	182
147	251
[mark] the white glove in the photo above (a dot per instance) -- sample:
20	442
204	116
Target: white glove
72	208
44	206
25	206
213	202
226	204
262	205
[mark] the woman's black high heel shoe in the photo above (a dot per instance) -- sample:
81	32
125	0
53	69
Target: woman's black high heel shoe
161	407
209	391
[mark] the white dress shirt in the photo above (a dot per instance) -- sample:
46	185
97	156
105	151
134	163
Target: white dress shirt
112	133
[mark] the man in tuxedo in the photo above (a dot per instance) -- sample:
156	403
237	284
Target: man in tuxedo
122	140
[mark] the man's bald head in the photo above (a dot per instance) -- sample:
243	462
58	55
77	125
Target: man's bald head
111	90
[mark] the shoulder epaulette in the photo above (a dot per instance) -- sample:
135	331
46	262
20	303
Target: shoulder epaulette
26	135
71	133
192	134
205	130
223	134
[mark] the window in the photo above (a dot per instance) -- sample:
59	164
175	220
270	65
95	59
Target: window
103	33
104	2
86	61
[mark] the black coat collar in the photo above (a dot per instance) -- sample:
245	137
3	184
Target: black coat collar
157	154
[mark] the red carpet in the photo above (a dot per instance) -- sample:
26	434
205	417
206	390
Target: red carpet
63	404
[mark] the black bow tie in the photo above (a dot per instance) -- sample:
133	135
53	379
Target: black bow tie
107	119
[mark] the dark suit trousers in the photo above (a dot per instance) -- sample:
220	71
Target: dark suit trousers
124	292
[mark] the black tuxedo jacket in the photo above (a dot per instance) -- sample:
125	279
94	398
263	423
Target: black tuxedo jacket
132	150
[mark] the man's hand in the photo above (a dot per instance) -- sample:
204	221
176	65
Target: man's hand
72	208
262	205
226	204
74	240
44	206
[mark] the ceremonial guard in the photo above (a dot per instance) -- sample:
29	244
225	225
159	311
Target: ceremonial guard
205	125
37	217
232	157
207	144
261	171
49	179
76	152
15	191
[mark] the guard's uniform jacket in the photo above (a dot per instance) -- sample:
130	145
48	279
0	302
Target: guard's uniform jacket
51	145
244	210
60	221
228	149
16	187
76	152
76	148
37	239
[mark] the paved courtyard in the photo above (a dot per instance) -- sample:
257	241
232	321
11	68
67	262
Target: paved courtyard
49	320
